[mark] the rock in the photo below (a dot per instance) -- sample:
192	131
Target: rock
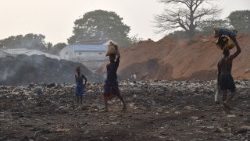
188	108
220	130
38	91
231	116
241	131
62	130
115	122
194	117
177	112
86	132
245	127
51	85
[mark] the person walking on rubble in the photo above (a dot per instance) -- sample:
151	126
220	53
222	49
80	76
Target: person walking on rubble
79	90
111	88
225	79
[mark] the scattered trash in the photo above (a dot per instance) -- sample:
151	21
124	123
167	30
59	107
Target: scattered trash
156	110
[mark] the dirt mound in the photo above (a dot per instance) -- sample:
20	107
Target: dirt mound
24	69
180	59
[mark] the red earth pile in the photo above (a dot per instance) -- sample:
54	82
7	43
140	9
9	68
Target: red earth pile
174	59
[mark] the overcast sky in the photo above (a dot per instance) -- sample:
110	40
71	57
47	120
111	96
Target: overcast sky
55	18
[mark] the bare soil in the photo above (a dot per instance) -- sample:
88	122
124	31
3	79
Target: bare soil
157	110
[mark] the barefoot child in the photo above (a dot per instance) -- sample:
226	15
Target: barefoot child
79	91
111	84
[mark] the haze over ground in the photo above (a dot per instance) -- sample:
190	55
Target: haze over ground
55	19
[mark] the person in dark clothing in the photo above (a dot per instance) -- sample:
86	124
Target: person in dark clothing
79	90
225	79
111	88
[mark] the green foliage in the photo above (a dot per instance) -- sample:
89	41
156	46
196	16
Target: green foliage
49	46
207	27
100	25
179	34
57	48
29	41
240	20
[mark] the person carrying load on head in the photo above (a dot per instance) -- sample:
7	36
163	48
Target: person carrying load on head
111	87
224	36
225	79
80	86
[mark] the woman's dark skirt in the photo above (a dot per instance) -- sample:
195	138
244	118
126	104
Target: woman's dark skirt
226	82
111	90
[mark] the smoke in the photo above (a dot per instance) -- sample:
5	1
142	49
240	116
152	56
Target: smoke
5	74
23	69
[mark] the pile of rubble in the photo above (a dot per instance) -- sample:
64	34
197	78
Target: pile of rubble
157	110
23	69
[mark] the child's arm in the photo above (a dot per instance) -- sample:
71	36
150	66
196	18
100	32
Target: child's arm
85	79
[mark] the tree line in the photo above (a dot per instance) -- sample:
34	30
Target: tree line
189	17
186	20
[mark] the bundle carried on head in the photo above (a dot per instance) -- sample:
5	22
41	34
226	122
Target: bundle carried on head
225	37
225	42
112	49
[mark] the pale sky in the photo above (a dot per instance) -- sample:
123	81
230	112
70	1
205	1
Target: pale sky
55	18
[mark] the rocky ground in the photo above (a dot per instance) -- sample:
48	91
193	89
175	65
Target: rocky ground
157	110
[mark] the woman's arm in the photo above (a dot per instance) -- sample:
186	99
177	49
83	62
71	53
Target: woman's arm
238	49
117	62
219	71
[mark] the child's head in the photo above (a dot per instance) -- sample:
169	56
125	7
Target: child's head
78	70
112	58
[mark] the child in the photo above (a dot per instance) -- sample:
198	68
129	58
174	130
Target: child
79	91
111	84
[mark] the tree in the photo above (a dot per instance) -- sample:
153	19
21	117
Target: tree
207	26
57	48
49	45
240	20
29	41
100	25
186	15
135	39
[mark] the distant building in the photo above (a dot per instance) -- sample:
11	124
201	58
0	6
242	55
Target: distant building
92	55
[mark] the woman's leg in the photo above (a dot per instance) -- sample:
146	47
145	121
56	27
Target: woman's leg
225	102
122	100
224	96
106	103
81	99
